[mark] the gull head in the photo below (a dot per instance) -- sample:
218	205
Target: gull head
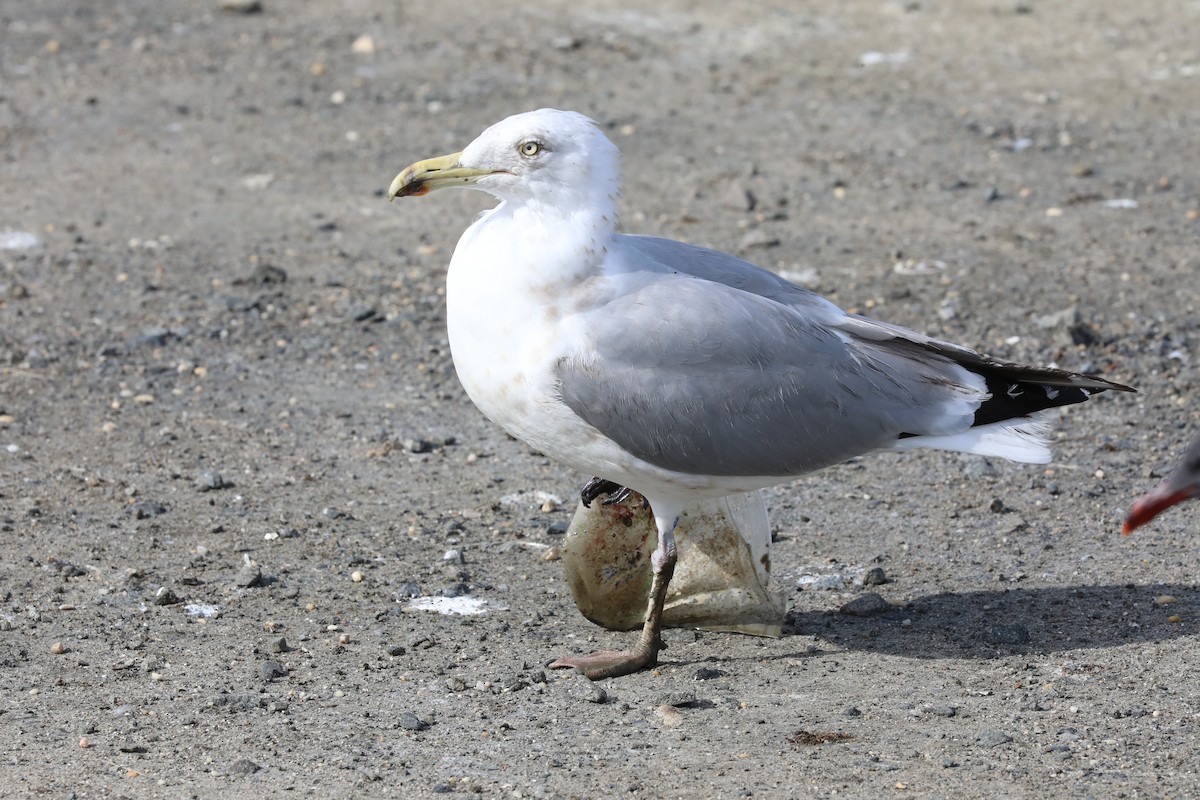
549	156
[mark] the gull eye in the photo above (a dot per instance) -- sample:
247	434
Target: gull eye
529	149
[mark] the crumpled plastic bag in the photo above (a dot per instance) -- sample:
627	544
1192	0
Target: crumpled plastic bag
722	571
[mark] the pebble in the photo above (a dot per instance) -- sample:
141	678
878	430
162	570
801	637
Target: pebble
737	197
165	596
828	583
243	766
758	239
58	648
453	557
145	509
577	687
364	45
270	670
979	467
1006	633
210	481
249	576
241	6
669	715
943	711
992	737
356	576
683	698
708	673
280	645
1165	600
875	576
866	605
411	722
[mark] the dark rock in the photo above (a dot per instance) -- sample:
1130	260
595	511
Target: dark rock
411	722
270	670
145	509
166	597
866	605
875	576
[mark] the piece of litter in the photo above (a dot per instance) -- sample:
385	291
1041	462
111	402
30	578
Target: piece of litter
910	267
205	610
873	58
18	240
463	605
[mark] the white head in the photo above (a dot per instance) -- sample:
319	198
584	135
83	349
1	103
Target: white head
558	158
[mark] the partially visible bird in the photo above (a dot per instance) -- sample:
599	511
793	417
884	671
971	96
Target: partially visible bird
682	372
1180	485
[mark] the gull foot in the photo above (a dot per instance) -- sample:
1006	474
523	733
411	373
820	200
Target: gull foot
608	663
598	486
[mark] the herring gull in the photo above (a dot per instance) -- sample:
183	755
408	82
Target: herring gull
682	372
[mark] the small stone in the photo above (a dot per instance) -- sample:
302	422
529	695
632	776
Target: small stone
577	687
552	554
1005	634
145	509
827	583
558	528
249	576
875	576
943	711
866	605
1165	600
396	650
758	239
707	674
280	645
1059	319
58	648
364	45
737	197
165	596
669	715
243	766
997	506
851	711
210	481
992	738
241	6
356	576
411	722
682	698
453	557
979	467
270	670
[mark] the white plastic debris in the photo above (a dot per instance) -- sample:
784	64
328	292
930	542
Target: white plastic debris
206	610
462	605
873	58
18	240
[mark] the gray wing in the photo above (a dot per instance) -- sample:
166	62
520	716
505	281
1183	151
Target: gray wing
718	267
697	377
710	365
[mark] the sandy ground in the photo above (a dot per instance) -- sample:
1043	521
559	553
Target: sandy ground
226	394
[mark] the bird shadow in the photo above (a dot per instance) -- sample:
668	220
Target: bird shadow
998	623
